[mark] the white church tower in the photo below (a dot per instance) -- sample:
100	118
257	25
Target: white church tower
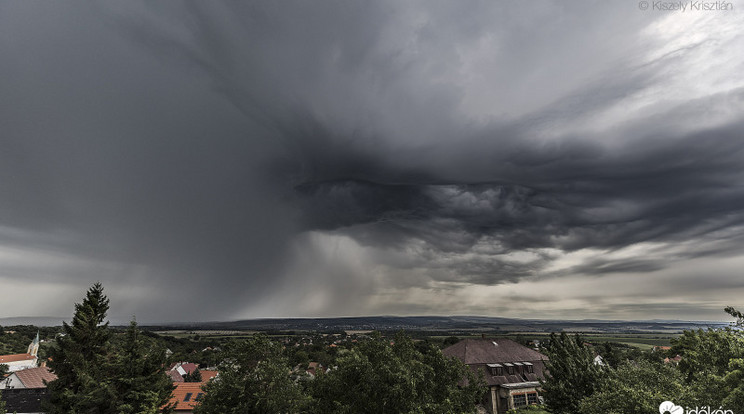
33	347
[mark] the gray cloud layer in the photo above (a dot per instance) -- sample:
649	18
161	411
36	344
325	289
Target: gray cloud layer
316	158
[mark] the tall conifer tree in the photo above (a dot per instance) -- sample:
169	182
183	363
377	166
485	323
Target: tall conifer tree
142	387
81	359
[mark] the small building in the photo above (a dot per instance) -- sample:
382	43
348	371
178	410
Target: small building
28	378
512	371
179	370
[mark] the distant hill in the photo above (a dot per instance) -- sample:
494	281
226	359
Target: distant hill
463	324
33	320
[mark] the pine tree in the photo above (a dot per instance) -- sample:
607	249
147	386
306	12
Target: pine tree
81	359
572	374
141	385
193	376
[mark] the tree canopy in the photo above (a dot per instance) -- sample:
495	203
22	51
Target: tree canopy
96	376
573	374
254	379
709	373
380	377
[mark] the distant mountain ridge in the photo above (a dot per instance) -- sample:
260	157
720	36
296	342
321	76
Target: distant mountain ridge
33	320
463	324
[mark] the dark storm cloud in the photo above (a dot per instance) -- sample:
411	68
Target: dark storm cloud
189	149
568	199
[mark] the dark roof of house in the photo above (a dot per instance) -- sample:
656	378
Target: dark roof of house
189	367
175	375
24	400
490	351
35	377
478	354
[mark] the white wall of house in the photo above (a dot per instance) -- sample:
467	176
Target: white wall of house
11	381
19	365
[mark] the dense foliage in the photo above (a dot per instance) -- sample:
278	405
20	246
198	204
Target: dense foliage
634	387
376	376
380	377
710	373
254	379
15	339
573	374
97	377
140	385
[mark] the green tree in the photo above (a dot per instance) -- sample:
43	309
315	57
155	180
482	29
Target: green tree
734	379
254	379
193	376
81	359
450	340
572	374
381	378
634	387
3	370
736	314
712	365
611	355
141	385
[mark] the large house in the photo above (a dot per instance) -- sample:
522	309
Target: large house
512	371
17	362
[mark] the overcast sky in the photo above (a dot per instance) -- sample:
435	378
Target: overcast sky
239	159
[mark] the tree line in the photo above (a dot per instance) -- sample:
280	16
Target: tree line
102	373
709	374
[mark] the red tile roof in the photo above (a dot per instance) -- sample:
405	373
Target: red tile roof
186	394
208	375
35	377
4	359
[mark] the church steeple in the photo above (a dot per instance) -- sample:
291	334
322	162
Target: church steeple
33	347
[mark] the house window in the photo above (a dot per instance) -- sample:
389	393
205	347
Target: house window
532	398
499	371
510	370
520	400
187	397
201	394
530	369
